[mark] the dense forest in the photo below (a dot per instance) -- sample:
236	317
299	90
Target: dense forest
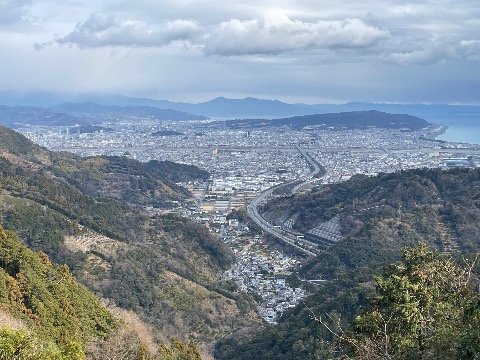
46	314
64	315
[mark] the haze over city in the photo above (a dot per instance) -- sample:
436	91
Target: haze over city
295	51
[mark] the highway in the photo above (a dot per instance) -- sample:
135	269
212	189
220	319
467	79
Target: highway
269	228
282	235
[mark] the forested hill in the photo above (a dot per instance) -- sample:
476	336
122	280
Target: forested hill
378	215
376	218
152	183
136	183
45	314
91	213
343	120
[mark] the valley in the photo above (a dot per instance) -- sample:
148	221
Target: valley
153	235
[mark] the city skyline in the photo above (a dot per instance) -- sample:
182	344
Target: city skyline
293	51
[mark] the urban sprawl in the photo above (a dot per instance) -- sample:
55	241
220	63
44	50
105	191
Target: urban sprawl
244	163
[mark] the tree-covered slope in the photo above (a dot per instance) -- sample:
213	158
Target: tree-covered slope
378	216
95	215
133	182
63	314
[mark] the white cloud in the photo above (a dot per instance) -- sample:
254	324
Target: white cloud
416	57
100	31
277	33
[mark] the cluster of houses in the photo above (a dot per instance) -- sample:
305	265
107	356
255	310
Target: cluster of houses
262	271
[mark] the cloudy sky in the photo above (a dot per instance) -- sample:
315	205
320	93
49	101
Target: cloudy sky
312	51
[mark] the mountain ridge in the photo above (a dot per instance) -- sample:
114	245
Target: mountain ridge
238	107
337	121
86	114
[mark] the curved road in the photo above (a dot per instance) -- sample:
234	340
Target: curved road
285	236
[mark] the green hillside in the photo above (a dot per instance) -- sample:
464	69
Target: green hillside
133	182
377	217
96	214
63	315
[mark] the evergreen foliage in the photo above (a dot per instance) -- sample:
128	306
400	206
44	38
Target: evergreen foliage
425	308
63	314
178	350
21	344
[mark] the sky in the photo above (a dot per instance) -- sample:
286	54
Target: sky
310	51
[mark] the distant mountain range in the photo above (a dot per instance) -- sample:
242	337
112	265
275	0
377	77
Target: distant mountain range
112	112
219	107
85	114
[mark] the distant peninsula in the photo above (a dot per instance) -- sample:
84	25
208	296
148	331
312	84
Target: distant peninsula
338	121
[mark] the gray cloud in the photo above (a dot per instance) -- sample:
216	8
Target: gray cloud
396	33
436	51
99	31
278	33
470	49
417	57
13	11
393	50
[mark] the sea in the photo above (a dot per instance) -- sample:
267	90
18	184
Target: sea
464	128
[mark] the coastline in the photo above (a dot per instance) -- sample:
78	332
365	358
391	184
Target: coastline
438	130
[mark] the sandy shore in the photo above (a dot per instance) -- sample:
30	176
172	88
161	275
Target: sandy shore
436	131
